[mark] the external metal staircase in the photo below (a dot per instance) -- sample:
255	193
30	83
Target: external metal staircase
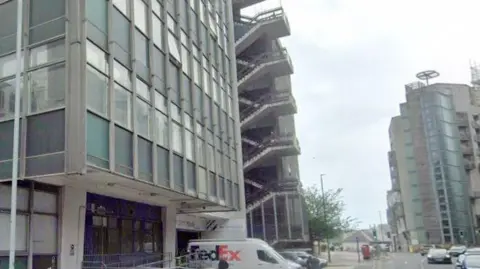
278	103
286	144
274	63
271	23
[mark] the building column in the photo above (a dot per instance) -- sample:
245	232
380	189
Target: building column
170	233
287	207
263	223
275	216
72	227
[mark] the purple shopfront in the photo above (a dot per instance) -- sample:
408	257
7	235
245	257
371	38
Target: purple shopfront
115	226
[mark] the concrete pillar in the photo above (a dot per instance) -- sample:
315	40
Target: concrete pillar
72	227
170	233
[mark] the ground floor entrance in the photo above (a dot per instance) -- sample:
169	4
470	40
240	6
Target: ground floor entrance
183	236
117	229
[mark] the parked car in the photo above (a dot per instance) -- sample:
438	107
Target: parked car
468	251
301	257
471	262
438	255
456	251
425	248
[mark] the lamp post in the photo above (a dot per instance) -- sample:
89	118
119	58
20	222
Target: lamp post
324	205
16	134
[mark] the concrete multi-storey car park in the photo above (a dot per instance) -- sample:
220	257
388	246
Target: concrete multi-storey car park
274	205
129	117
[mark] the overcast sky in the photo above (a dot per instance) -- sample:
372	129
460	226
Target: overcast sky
352	59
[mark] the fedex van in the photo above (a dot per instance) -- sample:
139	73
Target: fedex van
239	254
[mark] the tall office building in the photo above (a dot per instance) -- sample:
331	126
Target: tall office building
129	118
274	205
434	173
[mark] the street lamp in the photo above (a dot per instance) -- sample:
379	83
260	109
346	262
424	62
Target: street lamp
324	205
16	139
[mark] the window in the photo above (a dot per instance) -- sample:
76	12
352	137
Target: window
8	14
143	90
46	19
200	151
145	165
141	48
162	128
96	13
177	138
156	8
173	46
163	164
97	58
178	173
122	75
123	151
47	53
98	150
97	91
7	99
191	179
143	118
185	60
122	5
123	106
47	88
211	158
157	31
265	256
212	183
202	182
161	102
140	10
221	193
189	145
121	33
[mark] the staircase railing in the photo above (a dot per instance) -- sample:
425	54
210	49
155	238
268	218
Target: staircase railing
266	100
273	140
262	16
261	59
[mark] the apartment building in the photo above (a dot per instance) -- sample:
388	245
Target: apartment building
274	204
129	118
435	171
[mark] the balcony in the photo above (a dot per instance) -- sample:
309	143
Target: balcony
464	136
462	119
275	145
271	24
475	195
276	64
276	104
467	149
469	165
475	125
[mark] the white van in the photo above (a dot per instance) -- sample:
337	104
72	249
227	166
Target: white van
240	254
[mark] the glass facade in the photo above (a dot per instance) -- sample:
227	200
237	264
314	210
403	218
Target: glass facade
43	86
158	92
447	190
159	84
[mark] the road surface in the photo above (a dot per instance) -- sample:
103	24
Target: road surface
407	261
349	260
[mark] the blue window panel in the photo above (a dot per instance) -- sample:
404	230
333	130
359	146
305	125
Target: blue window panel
97	141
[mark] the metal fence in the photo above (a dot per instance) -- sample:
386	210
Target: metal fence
127	261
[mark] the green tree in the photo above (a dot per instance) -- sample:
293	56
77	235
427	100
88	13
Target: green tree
335	223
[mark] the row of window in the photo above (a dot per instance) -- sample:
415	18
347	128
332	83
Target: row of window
222	184
46	19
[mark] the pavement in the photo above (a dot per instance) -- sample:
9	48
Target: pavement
398	260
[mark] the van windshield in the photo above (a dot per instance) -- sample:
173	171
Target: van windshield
274	253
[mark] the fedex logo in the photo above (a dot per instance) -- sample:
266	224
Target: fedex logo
221	252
